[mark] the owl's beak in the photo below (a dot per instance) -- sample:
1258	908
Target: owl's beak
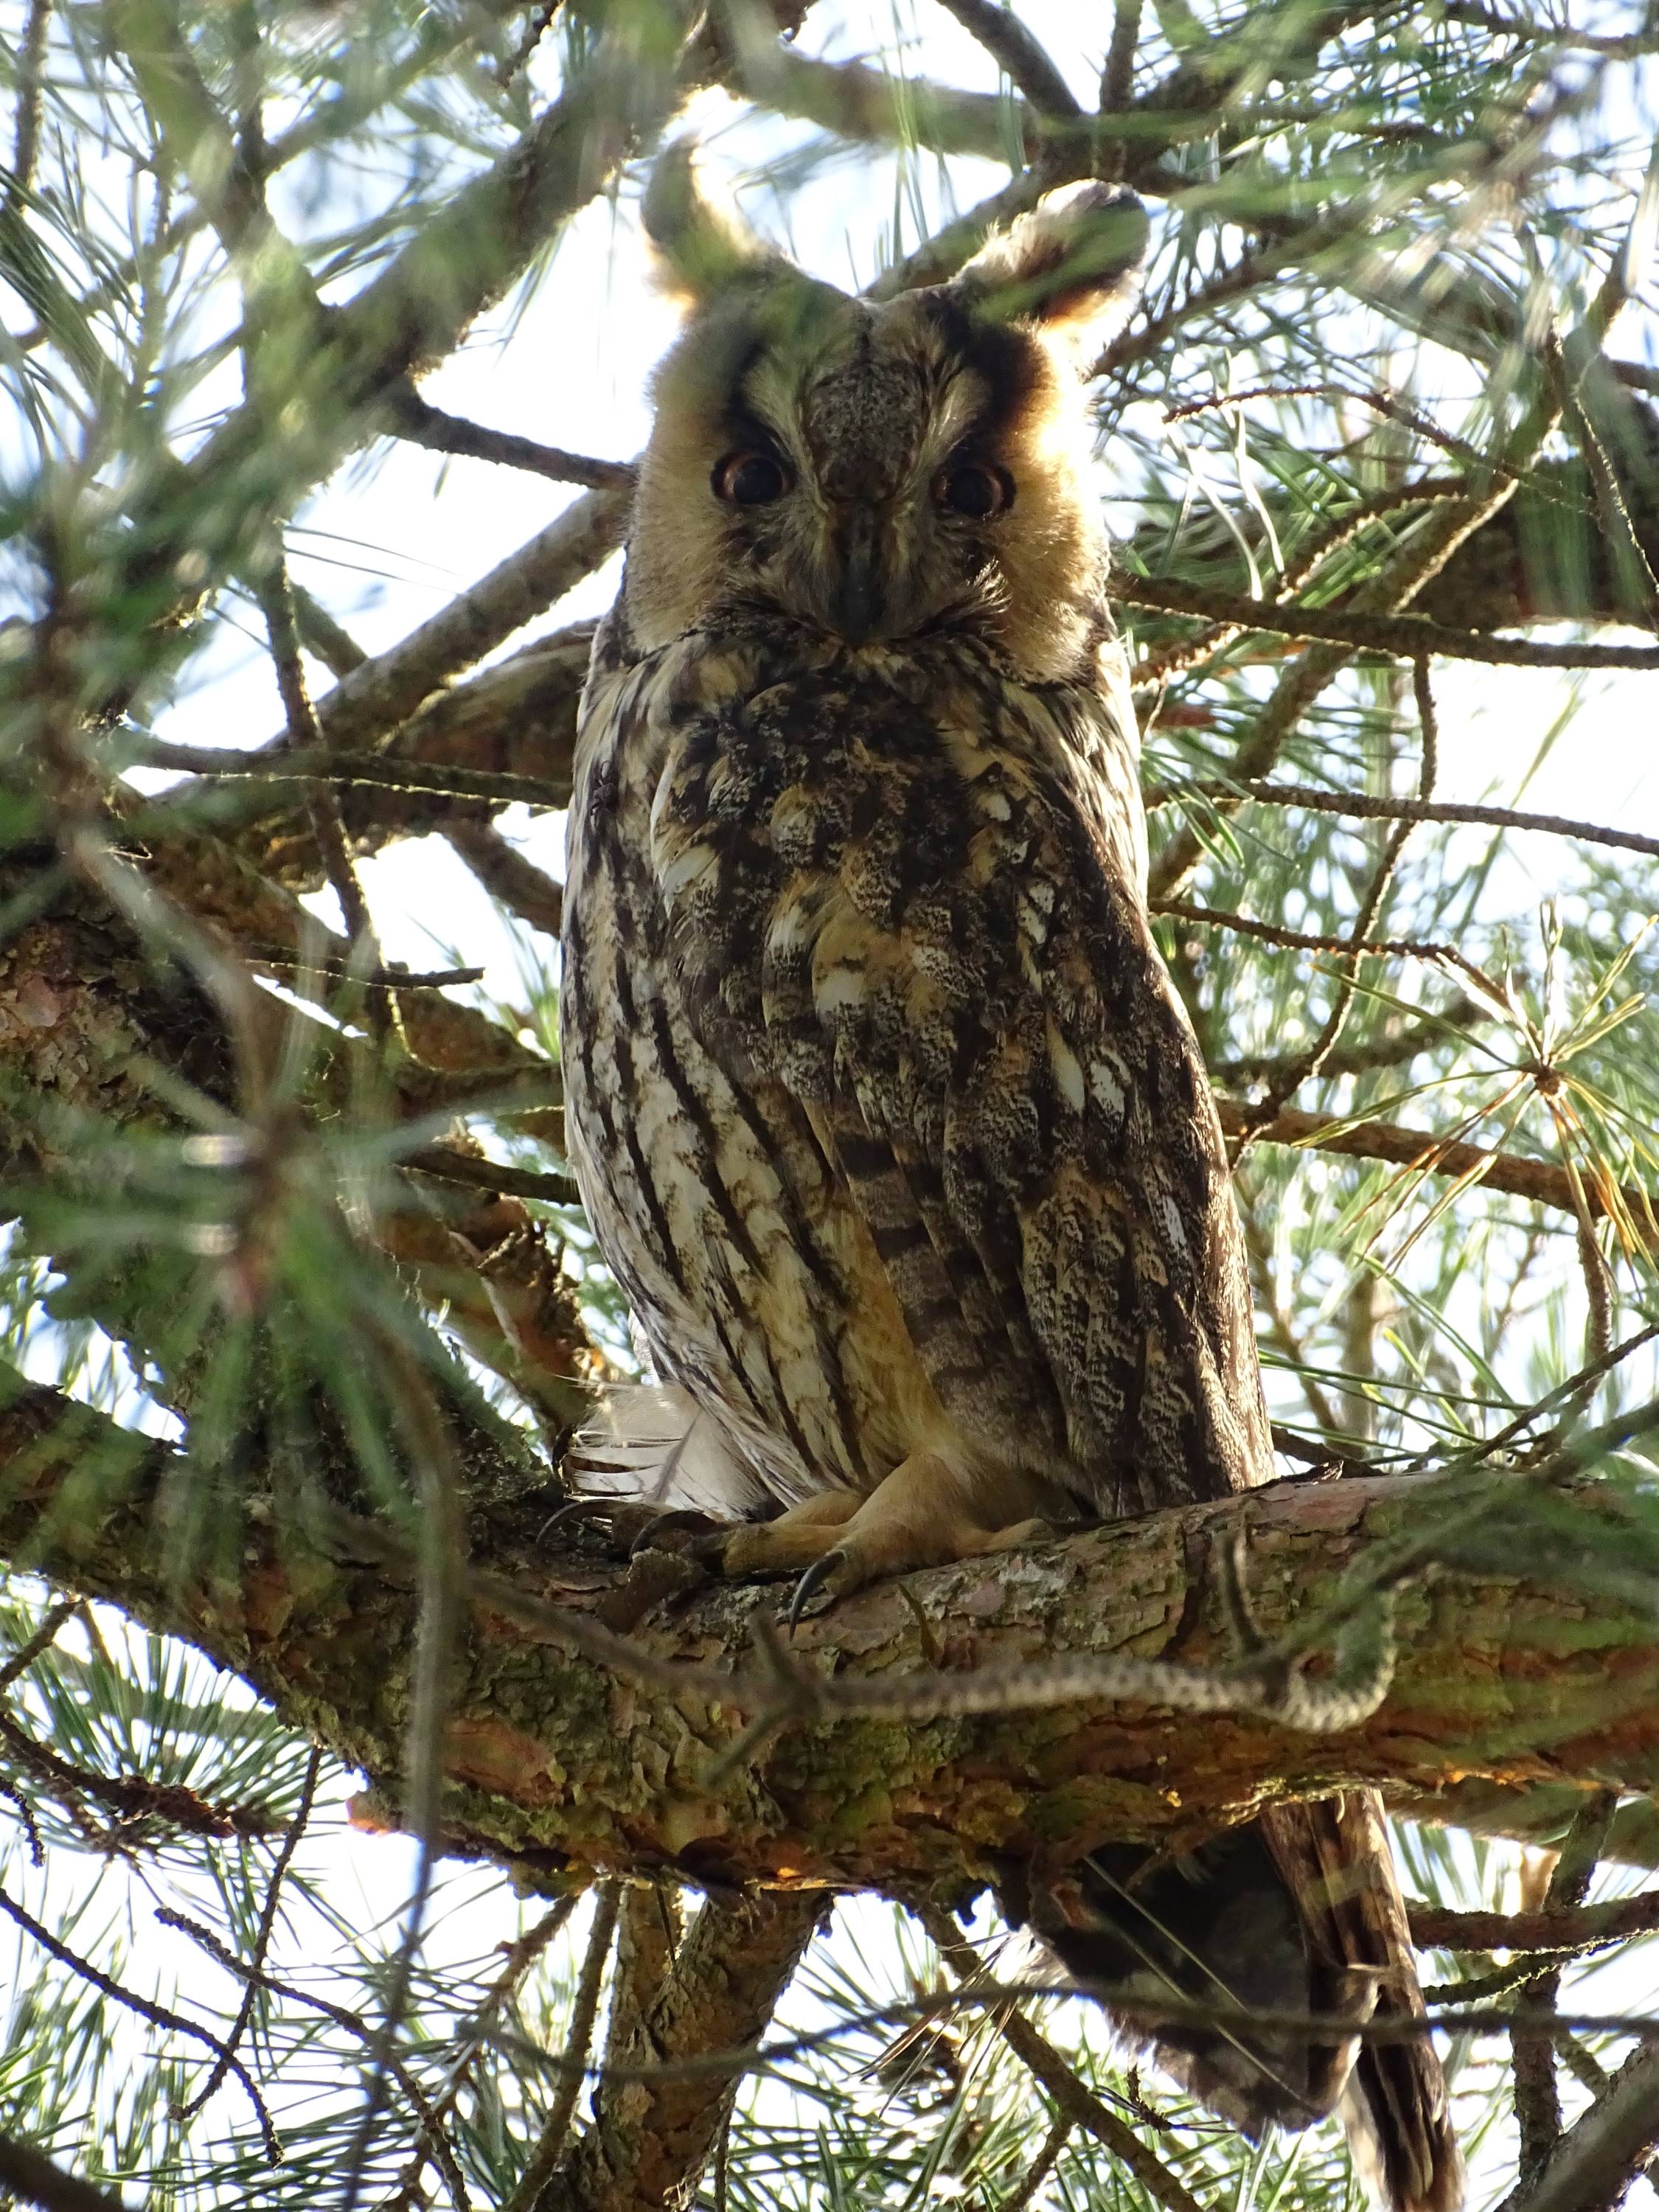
861	593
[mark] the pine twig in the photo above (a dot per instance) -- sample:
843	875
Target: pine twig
1305	940
1075	2102
1018	53
541	21
158	2015
44	1636
545	2157
474	2041
416	420
262	1936
445	1164
1300	1071
1540	1181
1362	806
388	772
1402	636
342	2016
304	736
128	1796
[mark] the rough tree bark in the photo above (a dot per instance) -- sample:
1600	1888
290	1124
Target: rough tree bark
650	2140
567	1765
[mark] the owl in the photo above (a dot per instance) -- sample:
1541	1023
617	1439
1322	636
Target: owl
887	1117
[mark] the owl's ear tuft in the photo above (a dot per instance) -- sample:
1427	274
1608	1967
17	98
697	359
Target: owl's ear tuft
1073	267
703	243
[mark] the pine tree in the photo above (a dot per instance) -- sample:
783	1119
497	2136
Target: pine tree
374	1834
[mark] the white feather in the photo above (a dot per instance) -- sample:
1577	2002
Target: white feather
651	1441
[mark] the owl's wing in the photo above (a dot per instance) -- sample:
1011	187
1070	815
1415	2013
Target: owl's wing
927	921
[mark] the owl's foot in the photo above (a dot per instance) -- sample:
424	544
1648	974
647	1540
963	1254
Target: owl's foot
839	1540
915	1518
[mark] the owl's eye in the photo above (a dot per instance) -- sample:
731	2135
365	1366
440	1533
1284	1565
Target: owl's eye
749	479
974	489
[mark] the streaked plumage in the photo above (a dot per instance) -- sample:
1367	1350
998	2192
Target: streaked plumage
886	1113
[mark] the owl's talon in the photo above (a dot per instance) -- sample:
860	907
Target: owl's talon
682	1529
810	1584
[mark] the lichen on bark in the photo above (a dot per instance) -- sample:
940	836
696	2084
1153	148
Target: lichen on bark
572	1767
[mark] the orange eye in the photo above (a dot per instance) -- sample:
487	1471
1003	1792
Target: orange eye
973	488
749	479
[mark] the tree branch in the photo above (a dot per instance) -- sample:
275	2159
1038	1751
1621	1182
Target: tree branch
1018	54
1540	1181
1585	1929
386	692
616	1754
1075	2101
650	2139
412	417
1406	636
37	2181
1595	2164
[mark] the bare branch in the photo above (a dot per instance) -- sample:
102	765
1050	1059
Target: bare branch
473	2043
388	689
1362	806
1075	2103
342	2016
1314	1058
262	1935
1407	637
302	734
36	2180
43	1637
1019	55
158	2015
412	417
1542	1181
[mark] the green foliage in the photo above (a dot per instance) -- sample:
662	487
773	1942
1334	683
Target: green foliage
1392	245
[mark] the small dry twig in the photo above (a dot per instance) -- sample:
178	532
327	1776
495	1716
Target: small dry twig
539	2168
158	2015
262	1934
1075	2103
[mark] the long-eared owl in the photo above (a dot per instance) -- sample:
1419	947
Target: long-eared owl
886	1115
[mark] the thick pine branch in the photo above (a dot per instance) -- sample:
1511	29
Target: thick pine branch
650	2139
623	1761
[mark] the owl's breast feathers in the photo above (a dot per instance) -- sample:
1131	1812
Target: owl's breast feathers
890	1113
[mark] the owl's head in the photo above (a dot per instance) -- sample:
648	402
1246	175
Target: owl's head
876	469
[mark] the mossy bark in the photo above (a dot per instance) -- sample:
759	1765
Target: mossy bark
569	1767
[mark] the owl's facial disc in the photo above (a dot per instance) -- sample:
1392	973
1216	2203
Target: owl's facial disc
874	471
868	471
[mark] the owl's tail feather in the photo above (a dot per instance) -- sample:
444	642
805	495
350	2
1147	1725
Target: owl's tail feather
1297	1915
649	1441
